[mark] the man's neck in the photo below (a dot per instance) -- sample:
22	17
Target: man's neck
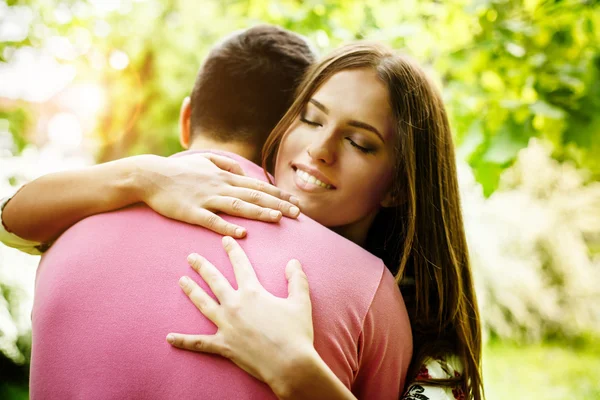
249	152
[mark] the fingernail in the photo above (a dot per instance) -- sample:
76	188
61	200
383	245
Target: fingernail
170	338
294	211
227	240
239	232
295	200
275	214
193	258
183	281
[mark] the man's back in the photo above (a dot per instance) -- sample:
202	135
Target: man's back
107	295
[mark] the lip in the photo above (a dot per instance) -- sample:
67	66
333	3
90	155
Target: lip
314	172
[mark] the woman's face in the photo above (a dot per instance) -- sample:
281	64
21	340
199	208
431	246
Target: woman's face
337	157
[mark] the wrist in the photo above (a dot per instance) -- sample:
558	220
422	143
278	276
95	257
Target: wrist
134	182
288	381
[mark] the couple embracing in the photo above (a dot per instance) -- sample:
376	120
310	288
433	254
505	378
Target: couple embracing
348	279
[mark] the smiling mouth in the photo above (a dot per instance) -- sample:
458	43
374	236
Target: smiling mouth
308	178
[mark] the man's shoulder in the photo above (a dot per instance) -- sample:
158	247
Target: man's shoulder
308	230
121	228
301	238
329	259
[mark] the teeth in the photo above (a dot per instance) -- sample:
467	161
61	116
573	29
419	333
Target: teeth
306	177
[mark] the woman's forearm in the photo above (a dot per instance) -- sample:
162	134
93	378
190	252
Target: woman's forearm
310	378
49	205
190	189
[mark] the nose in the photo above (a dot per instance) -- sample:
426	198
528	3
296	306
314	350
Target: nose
322	150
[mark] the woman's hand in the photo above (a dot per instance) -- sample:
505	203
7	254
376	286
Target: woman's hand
269	337
194	188
257	331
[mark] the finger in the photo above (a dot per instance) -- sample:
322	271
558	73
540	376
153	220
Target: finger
225	163
240	208
206	304
264	200
297	281
244	273
256	184
213	222
200	343
211	275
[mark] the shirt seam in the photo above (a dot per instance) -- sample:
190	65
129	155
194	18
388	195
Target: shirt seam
364	318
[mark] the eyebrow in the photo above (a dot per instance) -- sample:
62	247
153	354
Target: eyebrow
354	123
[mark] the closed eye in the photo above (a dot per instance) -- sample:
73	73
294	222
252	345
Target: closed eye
360	148
308	122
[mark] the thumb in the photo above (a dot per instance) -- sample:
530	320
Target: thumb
297	281
225	163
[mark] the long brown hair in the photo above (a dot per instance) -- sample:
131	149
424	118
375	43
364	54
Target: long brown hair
422	239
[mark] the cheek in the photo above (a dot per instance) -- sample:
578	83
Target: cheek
370	185
283	156
384	182
291	145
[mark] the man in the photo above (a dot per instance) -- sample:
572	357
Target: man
106	291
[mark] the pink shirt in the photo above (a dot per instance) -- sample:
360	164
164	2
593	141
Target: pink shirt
106	296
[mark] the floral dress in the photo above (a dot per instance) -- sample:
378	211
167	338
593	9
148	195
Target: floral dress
449	367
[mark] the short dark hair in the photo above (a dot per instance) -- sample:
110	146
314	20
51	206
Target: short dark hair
247	83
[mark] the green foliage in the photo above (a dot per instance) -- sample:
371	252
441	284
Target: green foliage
10	391
16	121
510	69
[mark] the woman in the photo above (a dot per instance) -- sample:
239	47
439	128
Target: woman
407	158
419	235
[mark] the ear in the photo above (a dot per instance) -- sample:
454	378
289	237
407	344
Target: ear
185	114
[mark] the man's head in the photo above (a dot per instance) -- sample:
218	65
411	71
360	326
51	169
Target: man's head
244	87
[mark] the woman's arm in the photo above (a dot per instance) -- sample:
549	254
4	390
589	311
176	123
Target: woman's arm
190	189
269	337
47	206
308	377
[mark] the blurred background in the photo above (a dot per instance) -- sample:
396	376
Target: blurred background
83	82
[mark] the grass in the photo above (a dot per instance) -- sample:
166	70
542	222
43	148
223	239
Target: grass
549	371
